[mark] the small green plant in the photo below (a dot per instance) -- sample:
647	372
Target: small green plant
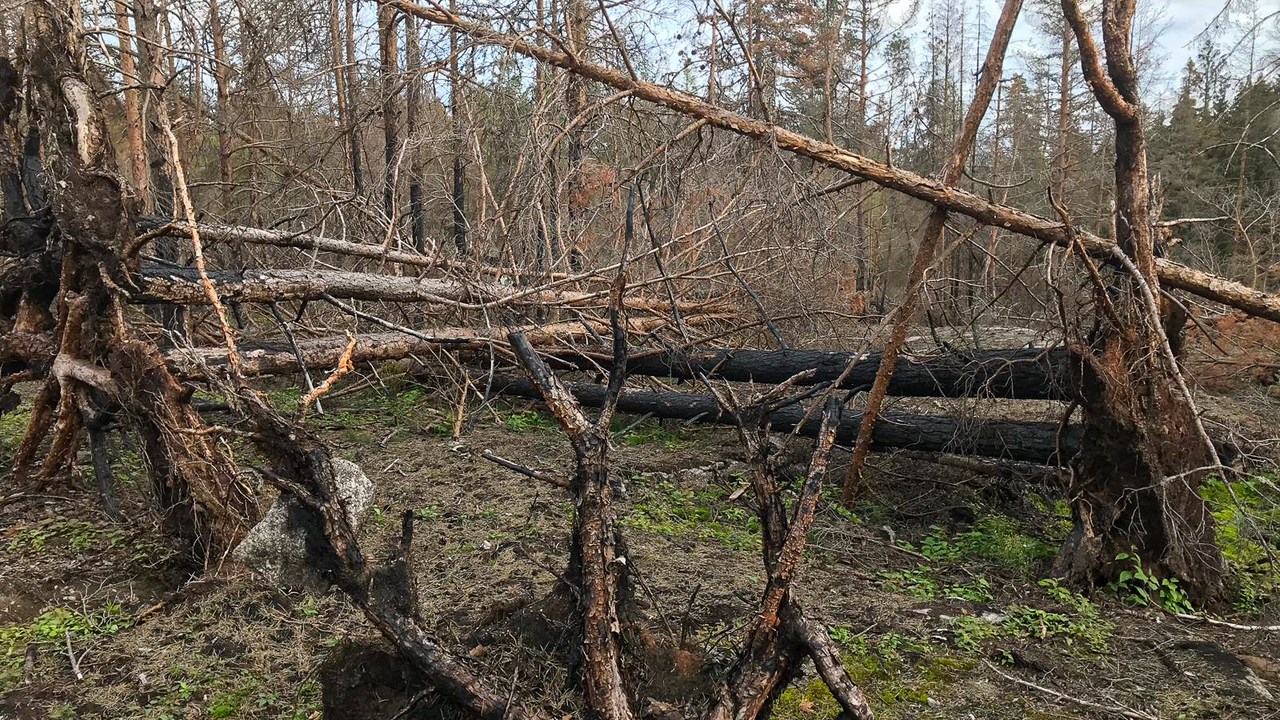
1139	587
977	591
842	636
937	547
671	511
51	630
1078	603
647	433
309	608
526	421
428	512
912	583
378	518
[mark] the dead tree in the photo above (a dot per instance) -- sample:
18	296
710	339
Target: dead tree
955	200
98	357
1135	486
779	636
301	466
934	229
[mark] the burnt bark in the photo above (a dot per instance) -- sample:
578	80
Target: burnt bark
597	559
1041	443
94	349
1144	452
1023	374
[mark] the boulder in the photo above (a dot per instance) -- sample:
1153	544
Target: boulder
283	547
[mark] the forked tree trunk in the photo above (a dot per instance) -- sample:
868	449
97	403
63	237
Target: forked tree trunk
1135	485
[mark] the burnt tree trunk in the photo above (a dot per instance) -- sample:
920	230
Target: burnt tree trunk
1135	485
1023	374
95	349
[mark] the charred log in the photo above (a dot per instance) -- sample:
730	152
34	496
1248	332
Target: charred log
1034	442
1024	374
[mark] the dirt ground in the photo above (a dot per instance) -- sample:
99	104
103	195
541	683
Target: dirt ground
937	588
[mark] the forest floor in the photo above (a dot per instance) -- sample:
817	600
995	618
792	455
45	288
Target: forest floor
937	587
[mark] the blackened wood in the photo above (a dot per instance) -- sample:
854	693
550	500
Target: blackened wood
1035	442
1024	374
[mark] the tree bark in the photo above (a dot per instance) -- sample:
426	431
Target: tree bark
182	286
1135	485
1030	374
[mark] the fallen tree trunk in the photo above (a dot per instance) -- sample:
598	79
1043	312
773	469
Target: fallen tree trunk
1210	287
1043	443
235	234
1023	374
273	358
181	286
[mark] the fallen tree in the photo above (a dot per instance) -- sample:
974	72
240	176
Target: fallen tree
1024	374
1043	443
182	286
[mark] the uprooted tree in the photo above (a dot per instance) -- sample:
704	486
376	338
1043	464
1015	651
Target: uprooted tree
84	263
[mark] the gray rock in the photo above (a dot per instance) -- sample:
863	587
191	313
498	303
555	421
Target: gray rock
276	548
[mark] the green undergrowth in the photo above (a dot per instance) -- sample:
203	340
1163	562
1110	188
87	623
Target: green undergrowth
669	436
1248	527
188	692
13	427
899	674
60	536
996	541
51	631
1071	619
703	514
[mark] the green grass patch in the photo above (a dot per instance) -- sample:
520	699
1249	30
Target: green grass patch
996	540
899	674
651	432
50	631
705	515
527	421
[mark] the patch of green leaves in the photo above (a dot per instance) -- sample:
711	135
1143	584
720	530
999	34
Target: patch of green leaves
913	583
1248	531
51	629
527	421
1138	587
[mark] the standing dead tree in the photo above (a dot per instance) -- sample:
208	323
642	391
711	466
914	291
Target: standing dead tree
1135	486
